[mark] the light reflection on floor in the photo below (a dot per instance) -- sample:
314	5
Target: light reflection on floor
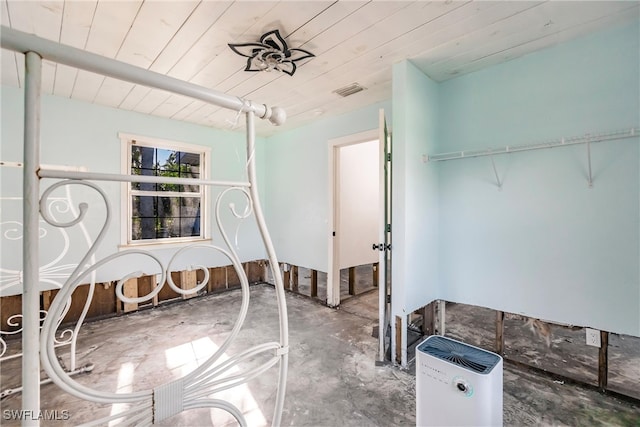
184	358
125	385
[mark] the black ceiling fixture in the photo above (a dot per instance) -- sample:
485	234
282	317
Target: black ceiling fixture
272	53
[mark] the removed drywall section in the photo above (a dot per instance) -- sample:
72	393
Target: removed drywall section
104	302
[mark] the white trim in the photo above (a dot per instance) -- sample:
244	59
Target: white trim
164	244
152	141
333	256
126	142
164	193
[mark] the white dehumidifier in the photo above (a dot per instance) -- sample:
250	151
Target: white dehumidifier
457	384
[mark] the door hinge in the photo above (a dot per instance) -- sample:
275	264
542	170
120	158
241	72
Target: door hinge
388	157
380	247
388	228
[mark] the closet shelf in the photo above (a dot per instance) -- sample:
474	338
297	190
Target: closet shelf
575	140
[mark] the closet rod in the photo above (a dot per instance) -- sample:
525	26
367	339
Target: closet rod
583	139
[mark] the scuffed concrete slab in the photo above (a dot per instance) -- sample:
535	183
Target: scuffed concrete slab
333	380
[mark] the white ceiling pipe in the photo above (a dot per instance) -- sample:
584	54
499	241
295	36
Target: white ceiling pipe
22	42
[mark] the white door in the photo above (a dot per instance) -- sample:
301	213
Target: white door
383	246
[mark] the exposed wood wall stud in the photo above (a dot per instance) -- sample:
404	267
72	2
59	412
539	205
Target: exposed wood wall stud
294	278
398	339
603	360
265	270
375	274
286	277
428	319
46	300
441	306
154	285
188	280
352	280
118	306
500	332
314	283
130	290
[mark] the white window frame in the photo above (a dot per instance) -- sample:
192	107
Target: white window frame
127	141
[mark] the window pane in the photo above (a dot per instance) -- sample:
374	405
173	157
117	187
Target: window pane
189	168
152	161
163	217
169	187
190	159
166	159
160	217
143	162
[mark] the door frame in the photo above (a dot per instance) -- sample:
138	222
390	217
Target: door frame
333	233
385	238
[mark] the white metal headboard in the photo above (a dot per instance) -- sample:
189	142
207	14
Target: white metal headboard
191	391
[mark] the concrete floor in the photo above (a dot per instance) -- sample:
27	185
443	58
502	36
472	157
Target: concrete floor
333	380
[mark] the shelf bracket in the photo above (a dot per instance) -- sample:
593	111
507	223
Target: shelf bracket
590	180
495	170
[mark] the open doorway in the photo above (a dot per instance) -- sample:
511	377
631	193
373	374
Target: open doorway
362	240
354	218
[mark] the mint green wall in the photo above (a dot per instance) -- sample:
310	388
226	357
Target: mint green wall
415	214
296	184
546	245
80	134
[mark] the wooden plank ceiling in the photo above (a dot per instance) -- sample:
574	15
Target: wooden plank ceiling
354	41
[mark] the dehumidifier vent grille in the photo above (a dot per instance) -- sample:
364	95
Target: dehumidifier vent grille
460	354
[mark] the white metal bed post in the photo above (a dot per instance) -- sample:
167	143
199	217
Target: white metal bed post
30	259
275	269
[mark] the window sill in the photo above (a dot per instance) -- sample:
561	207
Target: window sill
164	245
